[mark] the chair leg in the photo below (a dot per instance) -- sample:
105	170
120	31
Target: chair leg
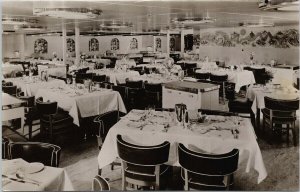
288	134
29	130
294	134
123	176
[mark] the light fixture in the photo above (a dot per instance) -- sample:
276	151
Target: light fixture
261	23
193	20
68	13
18	21
116	25
288	5
32	28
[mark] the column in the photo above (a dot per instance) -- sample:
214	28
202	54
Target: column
77	44
154	44
168	43
64	43
22	46
182	41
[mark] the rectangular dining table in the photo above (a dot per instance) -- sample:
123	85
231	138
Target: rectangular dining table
30	85
220	135
257	93
49	178
12	108
81	103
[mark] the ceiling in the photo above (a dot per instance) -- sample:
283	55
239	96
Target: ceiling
152	15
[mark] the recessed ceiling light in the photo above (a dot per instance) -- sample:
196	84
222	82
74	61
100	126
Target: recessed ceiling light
116	25
193	20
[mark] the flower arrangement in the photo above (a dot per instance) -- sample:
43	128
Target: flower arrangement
40	46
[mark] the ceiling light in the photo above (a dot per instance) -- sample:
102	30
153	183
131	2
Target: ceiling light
116	25
18	21
68	13
193	20
32	28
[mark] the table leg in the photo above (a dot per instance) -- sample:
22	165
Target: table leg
258	119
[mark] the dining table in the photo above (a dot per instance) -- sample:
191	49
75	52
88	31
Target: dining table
155	78
239	77
30	85
215	134
129	63
116	76
256	93
9	70
19	175
12	108
81	102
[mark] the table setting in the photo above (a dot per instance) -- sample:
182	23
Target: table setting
82	101
213	134
19	175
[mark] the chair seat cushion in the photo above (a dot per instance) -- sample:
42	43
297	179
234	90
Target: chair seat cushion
61	117
279	116
145	173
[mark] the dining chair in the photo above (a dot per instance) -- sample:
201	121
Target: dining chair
278	113
11	90
165	109
190	69
204	171
54	121
153	94
220	80
45	153
134	84
135	98
143	166
139	69
99	78
122	91
100	184
216	112
31	112
80	77
5	142
199	76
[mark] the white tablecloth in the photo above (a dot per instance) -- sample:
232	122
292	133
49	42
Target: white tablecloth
213	142
200	64
103	61
50	178
129	63
155	78
8	69
57	71
81	103
31	86
257	94
115	76
240	78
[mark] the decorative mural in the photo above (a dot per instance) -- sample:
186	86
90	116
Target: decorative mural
115	44
40	46
133	43
172	44
158	43
70	45
281	39
93	45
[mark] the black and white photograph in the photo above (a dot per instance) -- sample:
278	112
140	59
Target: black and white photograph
153	95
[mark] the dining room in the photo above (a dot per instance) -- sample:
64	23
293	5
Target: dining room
150	95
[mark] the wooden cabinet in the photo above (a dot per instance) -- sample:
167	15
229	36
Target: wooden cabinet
195	95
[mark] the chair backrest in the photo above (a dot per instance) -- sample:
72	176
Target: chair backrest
282	105
218	78
100	184
45	153
143	155
11	90
153	87
30	100
208	164
202	75
122	90
5	143
99	78
165	109
134	84
216	112
46	108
